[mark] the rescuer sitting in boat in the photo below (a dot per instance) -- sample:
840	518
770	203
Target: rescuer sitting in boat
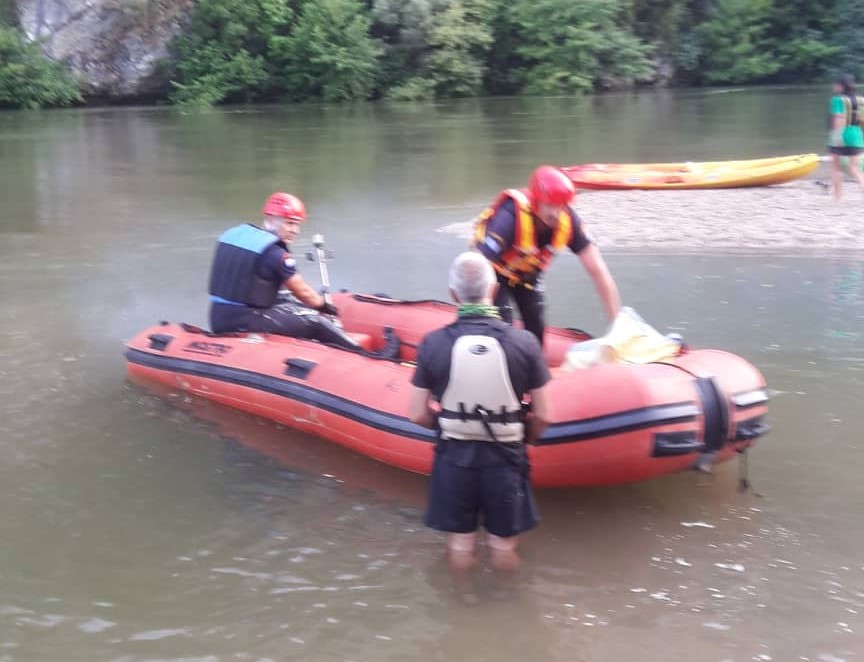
520	234
252	265
478	370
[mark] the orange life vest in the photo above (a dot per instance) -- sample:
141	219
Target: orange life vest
523	259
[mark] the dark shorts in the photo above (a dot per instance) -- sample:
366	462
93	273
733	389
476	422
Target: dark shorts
846	151
496	494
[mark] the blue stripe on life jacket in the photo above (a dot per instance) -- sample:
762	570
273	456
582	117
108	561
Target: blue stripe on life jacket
249	238
215	299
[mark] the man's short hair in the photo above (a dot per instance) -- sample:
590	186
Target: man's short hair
471	277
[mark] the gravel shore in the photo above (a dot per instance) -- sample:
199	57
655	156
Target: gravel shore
798	218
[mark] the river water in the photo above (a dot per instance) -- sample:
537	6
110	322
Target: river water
138	527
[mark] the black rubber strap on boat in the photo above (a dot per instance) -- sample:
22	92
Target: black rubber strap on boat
715	412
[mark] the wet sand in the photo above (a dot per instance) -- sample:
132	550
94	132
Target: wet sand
799	217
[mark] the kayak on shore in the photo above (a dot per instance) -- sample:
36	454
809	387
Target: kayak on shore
692	175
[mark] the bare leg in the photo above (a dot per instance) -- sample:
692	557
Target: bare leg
461	542
836	176
855	167
503	556
461	561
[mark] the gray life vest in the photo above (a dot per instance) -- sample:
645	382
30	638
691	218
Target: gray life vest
479	402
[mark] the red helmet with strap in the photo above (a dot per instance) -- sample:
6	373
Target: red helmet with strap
286	206
551	186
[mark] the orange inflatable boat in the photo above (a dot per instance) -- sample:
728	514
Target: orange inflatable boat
612	423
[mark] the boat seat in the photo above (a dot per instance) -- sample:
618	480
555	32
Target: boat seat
362	339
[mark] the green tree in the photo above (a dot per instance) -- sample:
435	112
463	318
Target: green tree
504	64
660	22
687	54
574	45
457	47
330	53
222	55
799	35
8	13
402	28
733	43
848	38
28	79
805	57
461	40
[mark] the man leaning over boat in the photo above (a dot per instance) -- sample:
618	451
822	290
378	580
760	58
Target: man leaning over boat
252	264
520	234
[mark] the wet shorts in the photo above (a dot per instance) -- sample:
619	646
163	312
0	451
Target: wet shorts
497	495
846	151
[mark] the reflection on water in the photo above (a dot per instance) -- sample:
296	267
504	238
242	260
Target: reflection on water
139	527
847	291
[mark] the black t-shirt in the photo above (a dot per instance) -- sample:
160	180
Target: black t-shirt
277	264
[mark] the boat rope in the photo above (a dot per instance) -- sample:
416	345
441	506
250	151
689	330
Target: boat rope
386	300
743	472
744	484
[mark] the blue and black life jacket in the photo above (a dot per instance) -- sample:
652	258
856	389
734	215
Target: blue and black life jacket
234	275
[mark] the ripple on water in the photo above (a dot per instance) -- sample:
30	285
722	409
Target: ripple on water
95	625
154	635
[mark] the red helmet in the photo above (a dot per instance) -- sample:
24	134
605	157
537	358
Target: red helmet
550	185
286	206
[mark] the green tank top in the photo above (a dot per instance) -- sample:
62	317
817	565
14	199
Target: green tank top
852	134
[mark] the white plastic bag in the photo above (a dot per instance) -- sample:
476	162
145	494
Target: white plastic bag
630	339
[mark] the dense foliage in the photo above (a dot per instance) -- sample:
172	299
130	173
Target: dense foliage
411	49
329	54
8	13
574	46
340	50
225	52
28	79
241	50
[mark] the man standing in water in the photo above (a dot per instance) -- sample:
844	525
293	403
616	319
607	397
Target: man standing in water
252	264
520	234
469	384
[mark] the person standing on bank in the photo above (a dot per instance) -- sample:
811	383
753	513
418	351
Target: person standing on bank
846	138
469	384
249	268
520	234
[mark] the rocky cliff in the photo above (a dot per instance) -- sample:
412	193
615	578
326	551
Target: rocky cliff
112	46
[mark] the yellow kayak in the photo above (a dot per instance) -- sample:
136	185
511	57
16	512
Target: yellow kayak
703	174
